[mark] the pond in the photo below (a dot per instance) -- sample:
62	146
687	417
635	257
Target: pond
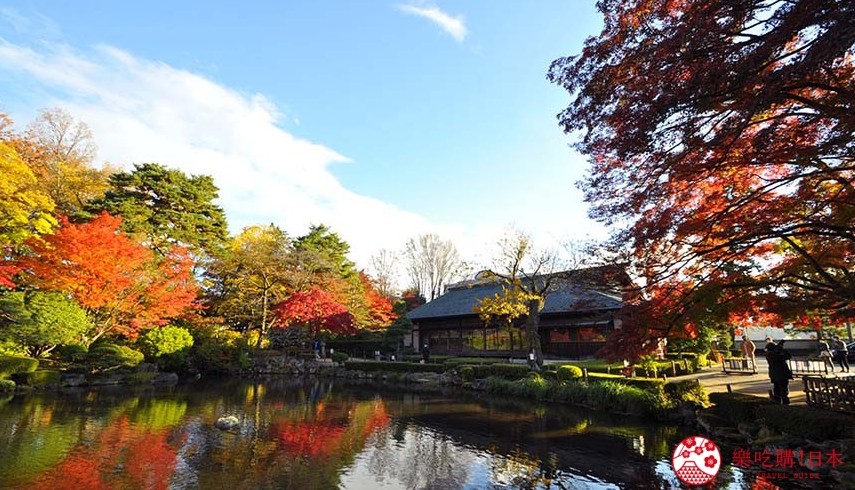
322	434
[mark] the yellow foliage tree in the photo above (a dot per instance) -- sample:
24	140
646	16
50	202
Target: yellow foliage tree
25	210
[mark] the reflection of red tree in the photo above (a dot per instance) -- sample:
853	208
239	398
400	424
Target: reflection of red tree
310	438
378	419
763	483
76	471
148	461
328	435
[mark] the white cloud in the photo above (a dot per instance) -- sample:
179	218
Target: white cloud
144	111
452	25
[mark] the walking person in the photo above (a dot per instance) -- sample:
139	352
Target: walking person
825	355
779	372
748	349
841	353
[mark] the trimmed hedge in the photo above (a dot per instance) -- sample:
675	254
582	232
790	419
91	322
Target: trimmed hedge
433	359
10	365
504	371
394	367
458	361
40	377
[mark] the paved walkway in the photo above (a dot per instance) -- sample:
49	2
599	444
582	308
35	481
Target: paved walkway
715	381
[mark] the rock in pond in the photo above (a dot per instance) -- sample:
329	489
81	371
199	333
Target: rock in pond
227	423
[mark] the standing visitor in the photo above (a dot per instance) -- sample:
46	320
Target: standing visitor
426	354
748	349
779	372
825	354
841	353
660	348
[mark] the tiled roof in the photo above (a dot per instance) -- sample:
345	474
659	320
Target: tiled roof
569	297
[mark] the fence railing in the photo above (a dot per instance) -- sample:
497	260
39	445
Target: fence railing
830	393
806	367
738	365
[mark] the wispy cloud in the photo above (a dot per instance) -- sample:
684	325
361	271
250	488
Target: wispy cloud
452	25
146	111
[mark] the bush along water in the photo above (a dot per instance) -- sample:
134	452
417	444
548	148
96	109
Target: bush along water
659	400
563	384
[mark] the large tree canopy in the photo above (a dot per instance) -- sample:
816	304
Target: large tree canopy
167	207
316	310
25	209
60	151
251	274
720	138
432	263
122	286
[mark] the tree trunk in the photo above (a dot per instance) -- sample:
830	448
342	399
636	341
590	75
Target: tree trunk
532	323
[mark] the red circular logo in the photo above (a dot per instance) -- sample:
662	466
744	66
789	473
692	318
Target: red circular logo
696	460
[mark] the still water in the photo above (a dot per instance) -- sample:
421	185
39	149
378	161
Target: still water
322	435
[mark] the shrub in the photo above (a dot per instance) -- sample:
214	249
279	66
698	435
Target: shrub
621	397
7	385
10	365
808	422
169	347
652	385
737	407
568	371
339	357
606	395
691	361
166	340
111	356
224	354
399	367
690	391
467	373
71	353
39	377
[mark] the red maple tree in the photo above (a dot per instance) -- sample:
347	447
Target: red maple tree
7	272
120	283
720	138
316	310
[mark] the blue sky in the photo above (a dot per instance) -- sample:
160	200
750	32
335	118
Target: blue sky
382	119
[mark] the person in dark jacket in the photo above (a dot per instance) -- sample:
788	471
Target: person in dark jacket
779	372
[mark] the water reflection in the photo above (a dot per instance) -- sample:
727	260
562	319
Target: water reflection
317	436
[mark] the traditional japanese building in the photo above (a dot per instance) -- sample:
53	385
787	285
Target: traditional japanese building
579	314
